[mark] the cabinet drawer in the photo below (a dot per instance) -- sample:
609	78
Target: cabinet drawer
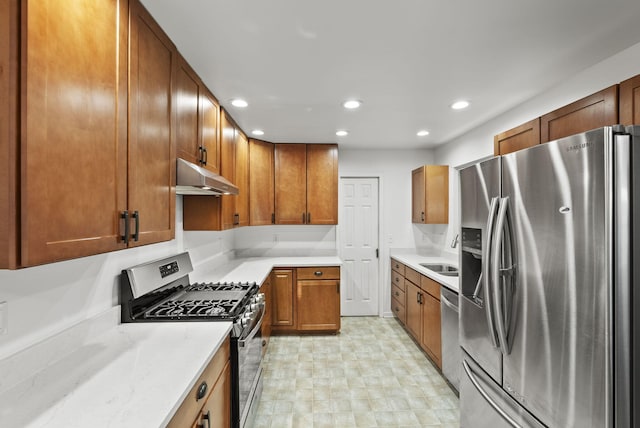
321	272
397	266
412	276
397	279
398	310
430	286
191	405
398	293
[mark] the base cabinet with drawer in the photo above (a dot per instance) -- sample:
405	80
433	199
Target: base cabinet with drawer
306	299
208	404
415	302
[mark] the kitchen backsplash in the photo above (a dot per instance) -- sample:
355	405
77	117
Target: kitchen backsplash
285	241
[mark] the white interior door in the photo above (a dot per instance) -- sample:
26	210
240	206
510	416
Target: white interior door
358	235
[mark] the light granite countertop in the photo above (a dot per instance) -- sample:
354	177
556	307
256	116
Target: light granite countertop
101	373
414	260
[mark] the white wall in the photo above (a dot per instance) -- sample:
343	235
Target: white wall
282	241
478	143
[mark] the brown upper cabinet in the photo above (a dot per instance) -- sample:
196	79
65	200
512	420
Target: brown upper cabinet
430	194
594	111
152	155
226	211
518	138
306	184
261	176
630	101
84	187
197	117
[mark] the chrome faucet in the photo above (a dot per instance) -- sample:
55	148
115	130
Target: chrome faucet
455	241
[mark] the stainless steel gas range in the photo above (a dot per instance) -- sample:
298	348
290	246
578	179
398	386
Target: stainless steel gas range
160	291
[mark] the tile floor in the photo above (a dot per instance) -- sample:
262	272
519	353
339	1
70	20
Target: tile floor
370	375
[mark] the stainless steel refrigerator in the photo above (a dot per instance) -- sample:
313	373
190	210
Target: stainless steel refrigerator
549	244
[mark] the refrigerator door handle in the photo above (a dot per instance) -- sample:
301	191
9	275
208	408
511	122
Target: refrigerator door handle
498	273
486	396
487	277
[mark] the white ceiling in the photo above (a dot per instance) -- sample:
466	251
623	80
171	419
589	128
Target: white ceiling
296	61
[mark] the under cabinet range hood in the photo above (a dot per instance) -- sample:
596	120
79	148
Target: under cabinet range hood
194	180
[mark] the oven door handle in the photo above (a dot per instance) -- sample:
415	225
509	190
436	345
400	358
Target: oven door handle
242	343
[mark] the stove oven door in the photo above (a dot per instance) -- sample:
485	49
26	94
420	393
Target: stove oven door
249	348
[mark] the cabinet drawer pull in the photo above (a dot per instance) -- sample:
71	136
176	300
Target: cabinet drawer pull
318	273
202	391
397	294
397	279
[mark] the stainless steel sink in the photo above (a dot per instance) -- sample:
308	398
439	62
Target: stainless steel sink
441	268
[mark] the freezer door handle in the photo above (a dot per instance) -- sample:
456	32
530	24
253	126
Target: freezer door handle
486	396
502	305
486	269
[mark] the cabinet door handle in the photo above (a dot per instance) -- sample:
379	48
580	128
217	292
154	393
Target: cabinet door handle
125	216
318	273
273	218
303	218
202	391
136	235
422	218
206	418
308	218
236	219
201	157
206	156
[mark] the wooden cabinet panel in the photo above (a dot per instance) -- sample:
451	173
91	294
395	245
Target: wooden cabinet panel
242	180
417	195
594	111
322	184
413	309
261	190
227	168
518	138
217	408
397	279
630	101
430	286
152	165
290	183
187	113
399	310
9	131
412	276
283	298
430	194
320	272
397	267
431	334
209	130
398	293
217	377
74	144
318	305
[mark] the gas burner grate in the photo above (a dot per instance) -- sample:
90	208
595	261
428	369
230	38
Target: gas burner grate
221	286
175	309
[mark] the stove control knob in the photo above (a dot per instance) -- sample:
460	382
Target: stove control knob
259	298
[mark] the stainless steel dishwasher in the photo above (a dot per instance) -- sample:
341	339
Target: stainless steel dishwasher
450	344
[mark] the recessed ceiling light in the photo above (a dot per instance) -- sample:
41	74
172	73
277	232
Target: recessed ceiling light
257	132
239	102
351	104
459	105
342	133
422	133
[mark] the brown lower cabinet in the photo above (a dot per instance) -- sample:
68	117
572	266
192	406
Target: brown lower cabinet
415	302
305	299
213	407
